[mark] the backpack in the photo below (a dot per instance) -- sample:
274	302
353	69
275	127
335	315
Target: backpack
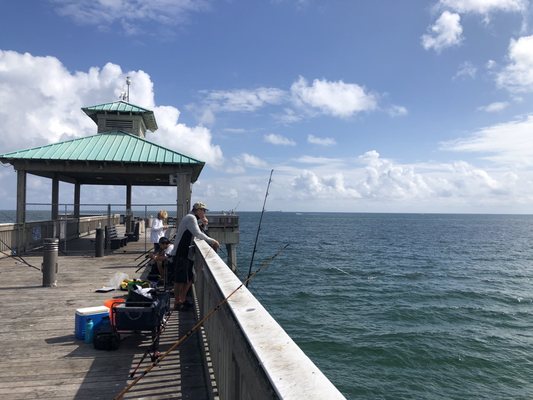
105	337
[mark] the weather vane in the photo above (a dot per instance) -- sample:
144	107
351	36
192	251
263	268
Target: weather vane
126	95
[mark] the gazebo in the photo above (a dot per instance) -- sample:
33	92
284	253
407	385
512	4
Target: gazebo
118	154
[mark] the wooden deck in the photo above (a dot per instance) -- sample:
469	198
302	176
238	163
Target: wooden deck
40	358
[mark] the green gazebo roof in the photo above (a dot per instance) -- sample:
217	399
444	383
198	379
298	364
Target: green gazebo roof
115	146
122	107
114	156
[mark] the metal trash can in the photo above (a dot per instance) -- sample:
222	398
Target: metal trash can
49	265
99	243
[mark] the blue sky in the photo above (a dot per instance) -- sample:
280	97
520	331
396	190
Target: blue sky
359	106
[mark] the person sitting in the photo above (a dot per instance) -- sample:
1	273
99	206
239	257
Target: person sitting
163	257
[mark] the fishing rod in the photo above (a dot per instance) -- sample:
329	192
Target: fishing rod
196	326
146	252
17	257
259	226
153	346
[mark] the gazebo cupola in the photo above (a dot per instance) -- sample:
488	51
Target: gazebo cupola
122	116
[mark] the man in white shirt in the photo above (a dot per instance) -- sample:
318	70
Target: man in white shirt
183	266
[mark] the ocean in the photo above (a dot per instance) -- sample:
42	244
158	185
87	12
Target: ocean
401	306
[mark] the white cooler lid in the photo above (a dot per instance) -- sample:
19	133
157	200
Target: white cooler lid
92	310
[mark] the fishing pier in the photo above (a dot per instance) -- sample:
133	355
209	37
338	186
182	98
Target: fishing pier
237	350
239	353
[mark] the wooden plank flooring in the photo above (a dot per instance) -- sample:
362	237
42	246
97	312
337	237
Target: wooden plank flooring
40	358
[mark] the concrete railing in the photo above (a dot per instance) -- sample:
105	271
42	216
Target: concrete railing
252	356
33	233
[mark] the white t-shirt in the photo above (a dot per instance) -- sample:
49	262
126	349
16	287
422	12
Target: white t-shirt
157	231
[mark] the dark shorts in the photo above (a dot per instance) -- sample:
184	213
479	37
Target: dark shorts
183	270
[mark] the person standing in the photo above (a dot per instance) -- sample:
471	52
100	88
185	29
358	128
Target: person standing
158	228
183	265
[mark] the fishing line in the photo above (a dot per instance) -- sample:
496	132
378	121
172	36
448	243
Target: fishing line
197	326
17	257
341	270
259	226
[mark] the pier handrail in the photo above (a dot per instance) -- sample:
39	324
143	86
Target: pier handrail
253	356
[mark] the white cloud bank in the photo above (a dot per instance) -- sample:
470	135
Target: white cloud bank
41	101
336	99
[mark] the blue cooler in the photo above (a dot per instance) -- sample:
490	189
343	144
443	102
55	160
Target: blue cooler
96	314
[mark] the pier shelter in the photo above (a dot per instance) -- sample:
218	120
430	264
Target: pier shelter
118	154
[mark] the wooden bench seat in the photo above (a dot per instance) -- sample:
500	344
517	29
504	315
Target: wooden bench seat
115	241
134	236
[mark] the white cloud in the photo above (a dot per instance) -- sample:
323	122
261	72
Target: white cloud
243	100
309	184
334	98
466	70
273	138
491	64
484	6
383	181
321	141
250	160
133	17
239	100
397	111
337	99
494	107
446	32
517	76
289	116
507	143
317	160
40	97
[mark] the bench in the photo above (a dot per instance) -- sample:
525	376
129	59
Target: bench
134	236
115	241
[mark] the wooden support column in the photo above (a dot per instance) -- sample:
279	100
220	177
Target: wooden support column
77	195
55	205
129	214
20	245
55	198
183	182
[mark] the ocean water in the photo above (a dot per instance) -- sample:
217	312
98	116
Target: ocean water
402	306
